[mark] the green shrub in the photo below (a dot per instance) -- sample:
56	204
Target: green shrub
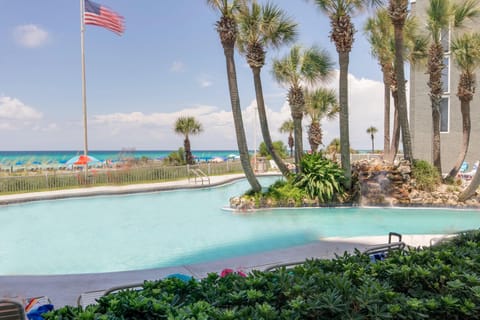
321	178
441	282
426	175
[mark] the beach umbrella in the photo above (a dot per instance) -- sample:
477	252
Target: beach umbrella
82	160
217	160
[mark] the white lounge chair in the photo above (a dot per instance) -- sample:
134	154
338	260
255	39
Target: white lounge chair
11	309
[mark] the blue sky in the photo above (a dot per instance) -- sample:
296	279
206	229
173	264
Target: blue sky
168	63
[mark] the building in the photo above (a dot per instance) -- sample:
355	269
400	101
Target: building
420	112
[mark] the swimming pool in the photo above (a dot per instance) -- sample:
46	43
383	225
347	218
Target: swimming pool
141	231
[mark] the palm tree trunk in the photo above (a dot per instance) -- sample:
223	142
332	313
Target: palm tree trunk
386	114
436	145
188	151
297	137
291	144
373	143
238	121
262	115
396	135
472	187
466	126
344	126
402	97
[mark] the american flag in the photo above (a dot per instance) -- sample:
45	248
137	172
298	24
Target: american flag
99	15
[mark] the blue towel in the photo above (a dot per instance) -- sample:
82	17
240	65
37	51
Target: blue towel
36	314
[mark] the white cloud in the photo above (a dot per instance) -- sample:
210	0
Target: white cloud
177	66
30	35
156	129
14	109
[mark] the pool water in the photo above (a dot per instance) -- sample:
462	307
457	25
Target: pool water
141	231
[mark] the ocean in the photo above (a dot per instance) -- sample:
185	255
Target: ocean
25	158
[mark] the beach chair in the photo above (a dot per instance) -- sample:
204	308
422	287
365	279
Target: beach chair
11	309
380	251
469	175
91	297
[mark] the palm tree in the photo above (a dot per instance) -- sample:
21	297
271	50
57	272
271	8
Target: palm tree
466	54
442	15
287	127
379	31
227	31
380	34
334	148
398	12
342	34
187	126
319	104
261	27
371	131
301	66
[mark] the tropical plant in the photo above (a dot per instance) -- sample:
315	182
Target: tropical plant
176	158
298	67
426	176
287	127
321	178
228	31
261	27
319	104
466	54
278	146
371	131
442	15
187	126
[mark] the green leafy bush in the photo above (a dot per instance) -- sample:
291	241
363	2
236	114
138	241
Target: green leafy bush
321	178
442	282
426	175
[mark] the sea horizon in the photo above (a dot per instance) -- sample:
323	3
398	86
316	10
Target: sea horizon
36	157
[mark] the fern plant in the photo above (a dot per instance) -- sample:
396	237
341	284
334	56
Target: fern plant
321	178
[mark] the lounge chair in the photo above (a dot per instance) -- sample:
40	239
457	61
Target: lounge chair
91	297
468	175
11	309
380	251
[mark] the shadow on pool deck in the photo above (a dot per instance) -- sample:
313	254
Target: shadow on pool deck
64	289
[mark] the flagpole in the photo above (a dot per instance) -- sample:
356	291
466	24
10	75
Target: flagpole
84	87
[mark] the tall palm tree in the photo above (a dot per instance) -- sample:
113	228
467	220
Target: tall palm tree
371	131
466	54
228	31
380	34
398	12
287	127
187	126
379	31
261	27
319	104
342	34
298	67
442	15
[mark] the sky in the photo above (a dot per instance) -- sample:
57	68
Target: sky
168	63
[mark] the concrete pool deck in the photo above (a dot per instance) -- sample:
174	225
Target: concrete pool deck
64	289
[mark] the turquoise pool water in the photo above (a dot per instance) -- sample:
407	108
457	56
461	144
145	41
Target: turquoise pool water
140	231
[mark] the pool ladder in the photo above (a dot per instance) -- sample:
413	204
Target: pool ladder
200	176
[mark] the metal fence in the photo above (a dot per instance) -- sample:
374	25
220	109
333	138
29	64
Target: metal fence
61	179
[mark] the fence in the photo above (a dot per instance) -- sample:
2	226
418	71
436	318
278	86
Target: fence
56	180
